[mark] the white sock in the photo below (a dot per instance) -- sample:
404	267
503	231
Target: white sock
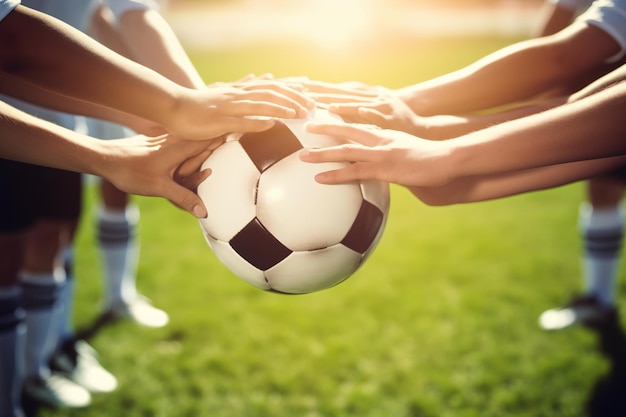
119	248
43	307
602	233
12	335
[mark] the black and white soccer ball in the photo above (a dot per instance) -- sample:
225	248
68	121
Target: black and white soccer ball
274	226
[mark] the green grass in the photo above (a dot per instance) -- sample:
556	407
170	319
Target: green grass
441	320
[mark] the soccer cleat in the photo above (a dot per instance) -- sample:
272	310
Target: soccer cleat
79	362
585	310
57	391
139	310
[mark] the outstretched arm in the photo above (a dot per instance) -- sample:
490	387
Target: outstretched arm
588	129
143	35
55	56
515	73
161	166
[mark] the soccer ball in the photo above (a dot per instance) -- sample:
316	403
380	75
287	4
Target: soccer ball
273	225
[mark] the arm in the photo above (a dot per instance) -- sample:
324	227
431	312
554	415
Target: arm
590	128
490	187
55	56
160	166
392	113
145	37
18	87
515	73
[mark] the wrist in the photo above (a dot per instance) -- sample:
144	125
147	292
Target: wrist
94	157
414	99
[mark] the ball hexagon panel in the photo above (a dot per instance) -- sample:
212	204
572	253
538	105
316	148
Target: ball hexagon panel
377	193
233	179
309	271
302	213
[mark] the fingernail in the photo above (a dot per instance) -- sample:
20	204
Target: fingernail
320	177
199	212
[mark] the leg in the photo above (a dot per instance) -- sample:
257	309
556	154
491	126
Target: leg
117	230
16	216
42	282
601	226
12	327
118	221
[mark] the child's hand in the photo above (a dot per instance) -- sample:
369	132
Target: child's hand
384	155
213	112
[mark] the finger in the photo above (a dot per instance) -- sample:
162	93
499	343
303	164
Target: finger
350	132
350	89
193	180
342	153
245	78
281	91
372	116
278	107
352	172
185	199
243	125
347	112
192	164
264	97
334	98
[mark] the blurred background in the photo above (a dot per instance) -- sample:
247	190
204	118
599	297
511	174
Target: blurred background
440	322
337	24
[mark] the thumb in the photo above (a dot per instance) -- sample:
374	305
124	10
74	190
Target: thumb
186	200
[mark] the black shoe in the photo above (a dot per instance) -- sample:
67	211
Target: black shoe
585	310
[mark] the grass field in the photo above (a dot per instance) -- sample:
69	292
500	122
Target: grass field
441	321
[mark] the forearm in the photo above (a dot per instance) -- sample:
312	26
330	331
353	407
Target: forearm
490	187
497	79
607	80
18	88
153	43
587	129
447	126
29	139
516	73
57	57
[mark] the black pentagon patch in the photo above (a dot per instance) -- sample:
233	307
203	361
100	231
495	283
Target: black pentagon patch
258	246
364	229
268	147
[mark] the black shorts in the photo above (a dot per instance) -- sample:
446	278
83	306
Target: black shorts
29	193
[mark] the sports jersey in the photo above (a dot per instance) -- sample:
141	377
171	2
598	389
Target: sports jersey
7	6
72	12
577	5
119	7
610	16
